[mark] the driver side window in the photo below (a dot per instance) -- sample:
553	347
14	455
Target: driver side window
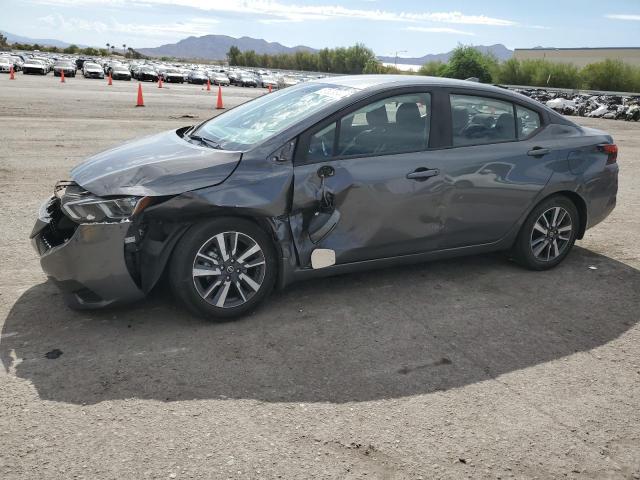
321	144
392	125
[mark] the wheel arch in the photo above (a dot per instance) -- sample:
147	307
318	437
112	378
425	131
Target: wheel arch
155	254
580	205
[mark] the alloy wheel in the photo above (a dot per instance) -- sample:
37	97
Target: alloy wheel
551	234
229	269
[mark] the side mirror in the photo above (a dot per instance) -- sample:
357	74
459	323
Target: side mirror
284	154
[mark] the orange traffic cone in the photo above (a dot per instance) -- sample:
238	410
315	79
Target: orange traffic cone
12	75
208	85
140	99
61	76
110	81
159	82
270	89
219	105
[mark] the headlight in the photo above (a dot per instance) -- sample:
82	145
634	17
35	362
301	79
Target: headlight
92	209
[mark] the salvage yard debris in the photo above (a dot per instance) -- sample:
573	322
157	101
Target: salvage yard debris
609	106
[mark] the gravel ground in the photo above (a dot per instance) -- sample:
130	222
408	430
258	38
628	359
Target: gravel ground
464	368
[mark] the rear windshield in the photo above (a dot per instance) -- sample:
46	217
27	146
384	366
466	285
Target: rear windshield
253	122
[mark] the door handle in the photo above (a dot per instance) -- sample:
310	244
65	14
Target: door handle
538	152
423	173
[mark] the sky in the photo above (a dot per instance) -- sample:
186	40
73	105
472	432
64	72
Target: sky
408	27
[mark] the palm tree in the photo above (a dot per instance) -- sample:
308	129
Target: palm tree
113	48
124	48
108	45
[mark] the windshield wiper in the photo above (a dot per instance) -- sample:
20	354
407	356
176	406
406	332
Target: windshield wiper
206	141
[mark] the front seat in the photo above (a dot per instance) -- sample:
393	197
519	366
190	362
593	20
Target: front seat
374	138
460	119
410	127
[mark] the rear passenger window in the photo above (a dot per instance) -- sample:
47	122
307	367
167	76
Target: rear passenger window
527	121
481	120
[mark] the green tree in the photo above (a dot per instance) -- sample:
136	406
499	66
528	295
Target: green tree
233	55
373	66
432	69
72	49
250	58
511	73
612	75
356	57
466	62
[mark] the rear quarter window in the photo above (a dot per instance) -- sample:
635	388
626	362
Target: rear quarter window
527	121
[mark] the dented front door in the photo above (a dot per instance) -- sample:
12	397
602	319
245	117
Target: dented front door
382	206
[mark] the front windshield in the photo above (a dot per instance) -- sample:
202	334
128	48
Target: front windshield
255	121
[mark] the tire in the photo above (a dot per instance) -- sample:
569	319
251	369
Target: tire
539	247
242	289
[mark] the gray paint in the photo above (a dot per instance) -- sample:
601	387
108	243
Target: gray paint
93	258
475	204
162	164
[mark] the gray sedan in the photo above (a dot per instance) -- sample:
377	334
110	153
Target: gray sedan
330	176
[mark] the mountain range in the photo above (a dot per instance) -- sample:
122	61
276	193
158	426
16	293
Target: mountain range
51	42
215	47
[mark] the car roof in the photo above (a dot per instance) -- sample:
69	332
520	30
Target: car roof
382	82
364	82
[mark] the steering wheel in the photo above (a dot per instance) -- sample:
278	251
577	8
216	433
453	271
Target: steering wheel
355	141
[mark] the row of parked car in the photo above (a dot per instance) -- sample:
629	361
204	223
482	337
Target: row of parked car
91	67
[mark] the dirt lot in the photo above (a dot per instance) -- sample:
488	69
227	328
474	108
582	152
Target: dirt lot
466	368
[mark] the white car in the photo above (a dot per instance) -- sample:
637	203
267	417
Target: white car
35	66
5	65
92	70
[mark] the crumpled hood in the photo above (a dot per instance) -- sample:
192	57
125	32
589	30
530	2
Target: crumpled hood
162	164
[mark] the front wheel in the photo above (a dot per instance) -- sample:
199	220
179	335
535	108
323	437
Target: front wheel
548	234
224	268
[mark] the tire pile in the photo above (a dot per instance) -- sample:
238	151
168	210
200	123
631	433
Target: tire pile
615	107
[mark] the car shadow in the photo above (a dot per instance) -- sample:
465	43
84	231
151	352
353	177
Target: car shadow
381	334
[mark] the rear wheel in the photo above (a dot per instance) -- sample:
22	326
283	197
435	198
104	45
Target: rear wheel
224	268
548	234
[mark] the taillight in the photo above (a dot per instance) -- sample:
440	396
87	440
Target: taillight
611	149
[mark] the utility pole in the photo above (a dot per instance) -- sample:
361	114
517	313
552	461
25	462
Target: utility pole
396	61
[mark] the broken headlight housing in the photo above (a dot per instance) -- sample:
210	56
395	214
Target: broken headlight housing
93	209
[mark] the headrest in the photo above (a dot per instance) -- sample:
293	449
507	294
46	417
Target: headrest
378	117
505	125
460	117
408	114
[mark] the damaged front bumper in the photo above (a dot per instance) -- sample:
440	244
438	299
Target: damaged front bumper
87	262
